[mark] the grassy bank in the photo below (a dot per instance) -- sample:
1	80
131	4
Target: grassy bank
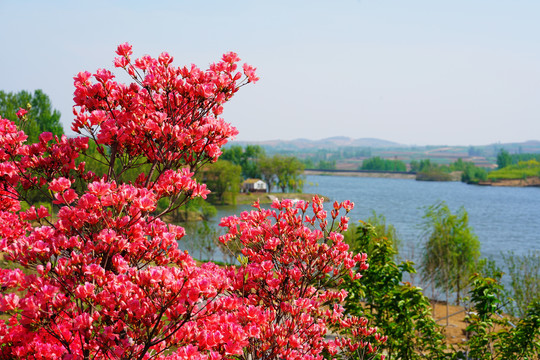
522	170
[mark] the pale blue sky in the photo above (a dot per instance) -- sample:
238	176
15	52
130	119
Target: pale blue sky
460	72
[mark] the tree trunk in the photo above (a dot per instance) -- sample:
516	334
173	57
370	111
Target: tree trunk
458	286
447	314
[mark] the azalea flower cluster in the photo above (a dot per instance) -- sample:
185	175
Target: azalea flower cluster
104	278
292	264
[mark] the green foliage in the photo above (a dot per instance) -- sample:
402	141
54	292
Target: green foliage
458	165
380	227
40	118
422	165
268	171
278	170
485	295
470	173
290	174
524	272
247	158
473	174
451	250
517	158
379	164
321	165
325	158
522	170
492	336
428	171
286	172
397	308
522	342
223	178
503	159
327	165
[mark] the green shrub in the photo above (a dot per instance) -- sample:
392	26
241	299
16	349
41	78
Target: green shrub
397	308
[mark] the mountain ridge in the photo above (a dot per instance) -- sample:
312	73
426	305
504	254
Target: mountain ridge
334	141
345	141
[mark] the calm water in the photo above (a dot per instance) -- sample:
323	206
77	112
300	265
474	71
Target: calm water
503	218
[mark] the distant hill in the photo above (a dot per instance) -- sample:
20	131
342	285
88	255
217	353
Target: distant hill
330	143
530	146
327	143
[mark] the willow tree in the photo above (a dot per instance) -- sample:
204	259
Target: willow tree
451	250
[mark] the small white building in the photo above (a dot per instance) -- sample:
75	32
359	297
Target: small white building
254	185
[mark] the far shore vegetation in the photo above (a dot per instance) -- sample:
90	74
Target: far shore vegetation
508	167
521	170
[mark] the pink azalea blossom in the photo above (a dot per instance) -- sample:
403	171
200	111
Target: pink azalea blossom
110	280
21	113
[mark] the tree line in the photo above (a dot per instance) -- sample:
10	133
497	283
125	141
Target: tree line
379	164
504	158
427	169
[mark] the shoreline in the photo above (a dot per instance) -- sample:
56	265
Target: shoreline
370	174
527	182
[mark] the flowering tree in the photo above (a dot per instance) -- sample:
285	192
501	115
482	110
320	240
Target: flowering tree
293	263
104	278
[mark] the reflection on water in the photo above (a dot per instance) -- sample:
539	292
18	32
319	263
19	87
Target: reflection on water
201	238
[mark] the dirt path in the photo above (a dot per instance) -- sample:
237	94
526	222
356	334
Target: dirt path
455	330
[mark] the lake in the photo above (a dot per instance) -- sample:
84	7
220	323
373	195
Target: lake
504	218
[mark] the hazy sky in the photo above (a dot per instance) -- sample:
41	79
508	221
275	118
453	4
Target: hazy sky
460	72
